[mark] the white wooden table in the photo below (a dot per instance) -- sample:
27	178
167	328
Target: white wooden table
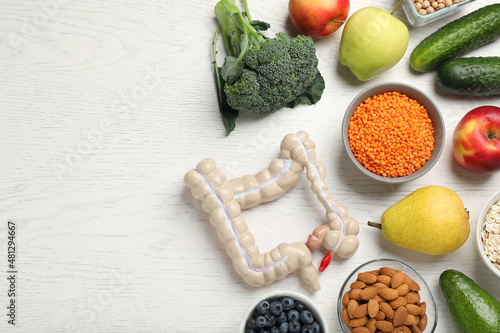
105	105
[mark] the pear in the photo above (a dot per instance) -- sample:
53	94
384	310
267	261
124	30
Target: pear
430	220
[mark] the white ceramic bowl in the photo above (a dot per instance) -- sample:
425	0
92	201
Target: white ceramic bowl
425	292
309	304
416	19
479	244
411	92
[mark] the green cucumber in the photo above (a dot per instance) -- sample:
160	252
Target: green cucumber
456	38
472	309
474	76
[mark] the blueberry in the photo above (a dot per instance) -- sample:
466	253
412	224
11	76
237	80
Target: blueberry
307	329
261	321
306	317
275	329
293	315
281	318
271	320
294	327
276	308
264	330
316	327
251	323
288	303
299	306
263	307
284	327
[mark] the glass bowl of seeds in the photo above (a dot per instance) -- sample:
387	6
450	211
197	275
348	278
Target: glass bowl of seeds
488	234
393	132
422	12
386	295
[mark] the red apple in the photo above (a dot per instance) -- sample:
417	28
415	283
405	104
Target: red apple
476	140
318	18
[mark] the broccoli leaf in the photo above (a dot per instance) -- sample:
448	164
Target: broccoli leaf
312	94
260	25
231	69
227	113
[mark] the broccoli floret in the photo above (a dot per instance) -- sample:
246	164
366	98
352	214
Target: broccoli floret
260	74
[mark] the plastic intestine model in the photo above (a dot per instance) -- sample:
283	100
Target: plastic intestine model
224	199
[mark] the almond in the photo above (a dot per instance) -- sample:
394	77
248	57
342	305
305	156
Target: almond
388	294
368	293
355	294
373	308
400	316
387	271
345	317
423	306
397	279
411	320
387	310
345	299
380	315
371	325
385	279
352	305
397	303
367	277
357	285
358	322
422	324
361	311
412	284
378	299
384	325
403	289
415	329
380	285
414	309
360	330
412	297
404	329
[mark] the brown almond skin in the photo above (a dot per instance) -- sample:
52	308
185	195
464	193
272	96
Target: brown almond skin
422	324
385	279
373	308
360	330
387	271
380	285
358	322
400	316
415	329
384	325
380	315
397	279
414	309
368	293
367	277
345	317
345	299
412	297
423	306
403	289
352	305
388	294
357	285
411	320
412	284
355	294
361	311
398	302
387	310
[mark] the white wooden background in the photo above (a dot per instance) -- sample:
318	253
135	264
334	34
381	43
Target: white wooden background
105	105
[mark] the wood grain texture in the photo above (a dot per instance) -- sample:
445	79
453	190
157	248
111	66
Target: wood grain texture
105	105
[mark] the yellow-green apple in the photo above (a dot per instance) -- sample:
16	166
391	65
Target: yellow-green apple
372	42
318	18
476	140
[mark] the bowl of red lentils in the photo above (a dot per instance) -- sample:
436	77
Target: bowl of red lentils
393	132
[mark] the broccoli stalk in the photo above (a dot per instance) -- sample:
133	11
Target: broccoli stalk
261	74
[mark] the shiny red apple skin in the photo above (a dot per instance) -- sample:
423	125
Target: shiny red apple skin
318	18
476	140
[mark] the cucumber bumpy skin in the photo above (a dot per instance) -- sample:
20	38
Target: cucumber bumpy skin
474	76
472	309
456	38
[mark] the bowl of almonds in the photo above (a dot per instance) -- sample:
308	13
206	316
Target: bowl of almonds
386	295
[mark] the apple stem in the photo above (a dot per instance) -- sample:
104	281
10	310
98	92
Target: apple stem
374	224
399	4
493	137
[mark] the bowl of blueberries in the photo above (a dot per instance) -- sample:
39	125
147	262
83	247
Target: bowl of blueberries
283	311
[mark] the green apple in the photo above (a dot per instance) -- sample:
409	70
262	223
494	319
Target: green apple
372	42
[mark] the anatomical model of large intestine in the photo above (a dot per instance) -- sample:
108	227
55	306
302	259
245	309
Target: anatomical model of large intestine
224	199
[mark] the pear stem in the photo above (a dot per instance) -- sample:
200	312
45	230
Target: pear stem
399	4
374	224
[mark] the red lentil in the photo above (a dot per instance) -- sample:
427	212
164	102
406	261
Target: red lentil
391	134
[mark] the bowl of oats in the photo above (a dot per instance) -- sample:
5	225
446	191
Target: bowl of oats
488	233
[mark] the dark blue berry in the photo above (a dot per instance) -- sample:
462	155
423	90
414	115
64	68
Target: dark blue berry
284	327
264	330
293	315
276	308
260	321
306	317
281	318
251	323
263	307
294	327
271	320
288	303
307	329
299	306
316	327
275	329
